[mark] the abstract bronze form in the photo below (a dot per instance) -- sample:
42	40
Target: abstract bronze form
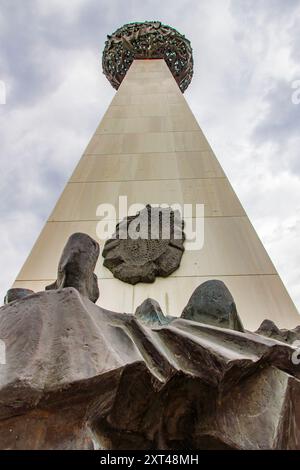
145	245
148	40
78	376
152	150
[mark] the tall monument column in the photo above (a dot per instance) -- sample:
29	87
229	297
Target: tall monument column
150	148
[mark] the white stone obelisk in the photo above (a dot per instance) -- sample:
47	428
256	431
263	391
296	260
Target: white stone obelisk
150	148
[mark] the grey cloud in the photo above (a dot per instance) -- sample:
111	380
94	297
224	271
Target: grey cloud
280	125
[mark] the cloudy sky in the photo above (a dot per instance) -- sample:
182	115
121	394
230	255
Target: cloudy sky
247	56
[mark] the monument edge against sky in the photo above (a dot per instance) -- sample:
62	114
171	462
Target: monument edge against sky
150	148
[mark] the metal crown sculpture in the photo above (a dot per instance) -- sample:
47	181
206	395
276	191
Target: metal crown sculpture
148	40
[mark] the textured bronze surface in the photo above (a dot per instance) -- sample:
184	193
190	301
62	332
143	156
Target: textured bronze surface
148	40
76	266
79	376
155	251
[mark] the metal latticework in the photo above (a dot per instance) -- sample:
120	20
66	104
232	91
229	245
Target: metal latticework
148	40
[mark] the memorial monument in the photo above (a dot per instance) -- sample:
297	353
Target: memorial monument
139	342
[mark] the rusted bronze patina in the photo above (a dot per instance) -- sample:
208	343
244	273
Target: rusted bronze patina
77	376
148	40
146	245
